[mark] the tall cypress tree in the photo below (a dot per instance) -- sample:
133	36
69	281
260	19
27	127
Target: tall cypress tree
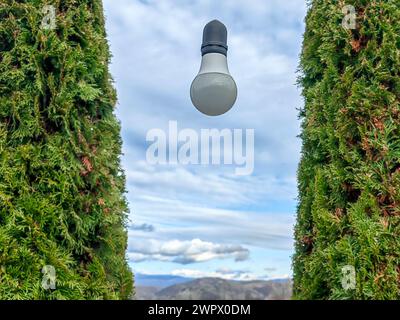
349	175
61	185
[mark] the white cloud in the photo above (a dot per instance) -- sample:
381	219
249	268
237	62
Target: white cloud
217	186
184	252
174	217
227	274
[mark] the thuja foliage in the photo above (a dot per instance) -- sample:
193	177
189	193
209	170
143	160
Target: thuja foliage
349	175
61	185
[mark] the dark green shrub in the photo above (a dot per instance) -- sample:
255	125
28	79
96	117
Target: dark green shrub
349	176
61	185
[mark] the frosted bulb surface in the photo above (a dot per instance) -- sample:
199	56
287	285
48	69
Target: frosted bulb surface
213	93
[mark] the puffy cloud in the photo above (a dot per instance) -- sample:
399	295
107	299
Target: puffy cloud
184	252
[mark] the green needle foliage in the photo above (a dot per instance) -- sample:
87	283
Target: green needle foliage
61	185
349	175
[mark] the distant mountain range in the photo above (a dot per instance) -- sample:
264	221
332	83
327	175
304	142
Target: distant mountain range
159	281
180	288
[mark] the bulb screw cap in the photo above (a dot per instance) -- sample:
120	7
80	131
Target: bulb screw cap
215	38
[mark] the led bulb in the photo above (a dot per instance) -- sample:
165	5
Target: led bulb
213	91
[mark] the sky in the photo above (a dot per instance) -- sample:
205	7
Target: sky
205	220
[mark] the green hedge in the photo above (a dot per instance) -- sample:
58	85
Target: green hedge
61	185
349	175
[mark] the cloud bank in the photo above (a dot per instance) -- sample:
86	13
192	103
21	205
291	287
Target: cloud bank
185	252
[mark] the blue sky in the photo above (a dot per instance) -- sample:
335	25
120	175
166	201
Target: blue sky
203	220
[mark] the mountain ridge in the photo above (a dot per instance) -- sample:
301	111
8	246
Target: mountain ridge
218	289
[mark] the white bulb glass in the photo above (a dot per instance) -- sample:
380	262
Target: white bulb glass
213	91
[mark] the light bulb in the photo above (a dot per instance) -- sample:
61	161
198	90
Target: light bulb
213	91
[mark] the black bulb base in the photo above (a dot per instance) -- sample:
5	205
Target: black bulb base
215	38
